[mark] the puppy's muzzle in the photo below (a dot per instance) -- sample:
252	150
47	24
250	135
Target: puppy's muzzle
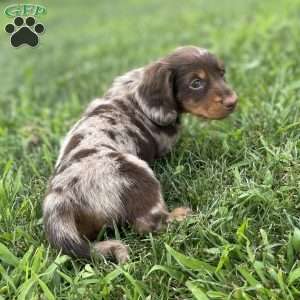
230	101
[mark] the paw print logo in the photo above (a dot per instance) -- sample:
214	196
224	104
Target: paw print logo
26	33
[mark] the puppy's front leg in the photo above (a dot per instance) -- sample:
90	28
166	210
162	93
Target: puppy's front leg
153	222
179	214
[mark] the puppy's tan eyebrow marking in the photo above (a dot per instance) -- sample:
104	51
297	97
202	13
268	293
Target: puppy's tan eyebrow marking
201	74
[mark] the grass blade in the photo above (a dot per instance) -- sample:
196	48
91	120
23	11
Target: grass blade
197	292
46	290
7	257
189	262
249	278
170	271
293	276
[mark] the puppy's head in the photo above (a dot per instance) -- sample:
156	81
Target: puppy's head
188	80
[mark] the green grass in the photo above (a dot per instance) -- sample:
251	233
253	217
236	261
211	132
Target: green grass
241	176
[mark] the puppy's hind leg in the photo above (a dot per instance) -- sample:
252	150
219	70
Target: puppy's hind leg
112	248
67	229
145	208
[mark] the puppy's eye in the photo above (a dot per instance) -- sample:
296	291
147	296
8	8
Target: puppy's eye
197	84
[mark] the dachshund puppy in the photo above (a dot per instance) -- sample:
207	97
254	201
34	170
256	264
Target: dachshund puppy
102	174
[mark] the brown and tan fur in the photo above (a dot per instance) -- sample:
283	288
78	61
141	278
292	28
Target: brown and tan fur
102	174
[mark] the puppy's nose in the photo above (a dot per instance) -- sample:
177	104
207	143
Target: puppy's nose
230	101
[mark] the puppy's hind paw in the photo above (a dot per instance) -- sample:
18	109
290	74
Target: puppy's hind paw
113	248
179	214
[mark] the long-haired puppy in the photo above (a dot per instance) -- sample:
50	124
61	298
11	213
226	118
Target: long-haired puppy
102	174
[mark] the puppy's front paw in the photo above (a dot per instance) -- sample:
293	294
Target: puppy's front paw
179	214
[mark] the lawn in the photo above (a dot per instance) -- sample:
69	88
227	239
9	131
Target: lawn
241	176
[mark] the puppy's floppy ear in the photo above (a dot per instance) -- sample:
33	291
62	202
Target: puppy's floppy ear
155	94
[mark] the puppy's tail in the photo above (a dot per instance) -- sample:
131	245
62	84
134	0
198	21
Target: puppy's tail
60	227
62	232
